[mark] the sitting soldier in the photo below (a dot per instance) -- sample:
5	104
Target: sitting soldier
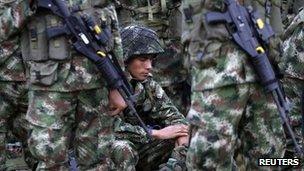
167	126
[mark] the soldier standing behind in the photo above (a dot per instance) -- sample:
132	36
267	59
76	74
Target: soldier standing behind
164	17
233	121
13	90
67	92
291	66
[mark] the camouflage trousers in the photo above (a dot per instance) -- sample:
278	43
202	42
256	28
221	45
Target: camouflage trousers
129	156
13	126
233	126
294	89
63	120
179	94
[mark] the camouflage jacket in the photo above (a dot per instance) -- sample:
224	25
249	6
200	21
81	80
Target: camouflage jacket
216	61
153	106
12	17
164	17
53	64
293	48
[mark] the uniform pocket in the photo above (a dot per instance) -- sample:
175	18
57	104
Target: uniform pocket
58	48
38	44
43	73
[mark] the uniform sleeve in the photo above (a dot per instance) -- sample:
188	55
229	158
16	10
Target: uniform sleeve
12	17
133	133
163	109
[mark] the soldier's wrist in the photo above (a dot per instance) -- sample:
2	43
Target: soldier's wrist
155	133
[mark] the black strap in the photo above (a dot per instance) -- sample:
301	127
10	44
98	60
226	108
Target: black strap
188	12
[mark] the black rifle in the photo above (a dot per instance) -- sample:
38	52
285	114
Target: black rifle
248	30
89	40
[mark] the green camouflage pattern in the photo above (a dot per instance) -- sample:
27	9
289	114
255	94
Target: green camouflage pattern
232	127
11	64
292	68
13	126
233	122
215	62
154	107
157	111
57	117
292	59
138	40
73	84
12	17
131	156
164	17
13	89
13	14
75	72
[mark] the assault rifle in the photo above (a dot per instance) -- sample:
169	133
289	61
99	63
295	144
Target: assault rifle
89	40
250	33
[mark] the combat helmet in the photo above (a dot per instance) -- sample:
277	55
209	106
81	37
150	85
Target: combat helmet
139	40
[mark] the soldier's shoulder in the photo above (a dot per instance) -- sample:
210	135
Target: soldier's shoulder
155	88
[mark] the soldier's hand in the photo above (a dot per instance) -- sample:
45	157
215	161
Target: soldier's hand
116	103
184	140
172	131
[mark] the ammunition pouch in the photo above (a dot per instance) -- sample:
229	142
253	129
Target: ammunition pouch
43	55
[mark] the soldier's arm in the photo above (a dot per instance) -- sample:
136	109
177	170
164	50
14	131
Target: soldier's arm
134	133
12	17
118	52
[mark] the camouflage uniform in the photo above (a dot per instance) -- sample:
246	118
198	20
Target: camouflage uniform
162	16
13	90
291	66
67	93
233	121
153	106
157	111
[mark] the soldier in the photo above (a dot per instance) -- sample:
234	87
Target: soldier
167	125
13	91
291	66
233	122
164	17
66	91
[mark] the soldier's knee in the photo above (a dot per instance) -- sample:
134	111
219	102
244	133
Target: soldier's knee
124	155
44	146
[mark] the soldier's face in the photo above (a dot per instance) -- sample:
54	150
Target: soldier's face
140	67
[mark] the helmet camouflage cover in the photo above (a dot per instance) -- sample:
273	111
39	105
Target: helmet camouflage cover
138	40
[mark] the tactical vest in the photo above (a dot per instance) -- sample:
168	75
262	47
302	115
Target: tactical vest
270	11
44	56
159	15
